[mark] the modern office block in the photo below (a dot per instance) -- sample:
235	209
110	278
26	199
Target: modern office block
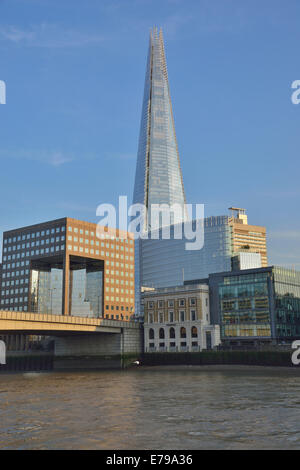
167	263
177	319
68	267
260	305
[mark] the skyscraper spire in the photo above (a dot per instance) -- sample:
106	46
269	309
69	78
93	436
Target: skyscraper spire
158	178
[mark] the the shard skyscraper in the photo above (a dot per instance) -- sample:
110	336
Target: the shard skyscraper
158	178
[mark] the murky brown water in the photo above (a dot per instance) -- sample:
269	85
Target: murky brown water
190	408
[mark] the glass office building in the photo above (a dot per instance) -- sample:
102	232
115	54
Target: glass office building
287	302
256	304
166	263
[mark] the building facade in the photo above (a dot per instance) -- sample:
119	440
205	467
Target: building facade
256	305
165	263
68	267
158	177
247	237
177	319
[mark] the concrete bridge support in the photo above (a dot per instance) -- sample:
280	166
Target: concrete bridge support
98	350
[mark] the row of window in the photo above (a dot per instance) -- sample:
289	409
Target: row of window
117	317
15	282
112	272
14	291
15	273
117	290
18	264
118	281
164	318
171	303
14	300
183	345
33	244
28	236
171	333
107	307
42	251
92	234
97	243
91	251
118	299
23	308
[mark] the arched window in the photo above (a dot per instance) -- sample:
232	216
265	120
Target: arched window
172	332
194	332
151	333
182	332
161	333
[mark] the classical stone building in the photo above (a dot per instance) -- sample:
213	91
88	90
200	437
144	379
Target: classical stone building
178	319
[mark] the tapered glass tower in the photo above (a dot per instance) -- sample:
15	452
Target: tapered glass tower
158	178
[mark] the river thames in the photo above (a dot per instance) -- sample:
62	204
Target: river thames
152	408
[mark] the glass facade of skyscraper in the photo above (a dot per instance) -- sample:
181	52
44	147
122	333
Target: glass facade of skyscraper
158	178
167	263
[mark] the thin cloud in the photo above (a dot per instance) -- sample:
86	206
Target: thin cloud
285	234
49	35
52	158
76	207
58	159
124	156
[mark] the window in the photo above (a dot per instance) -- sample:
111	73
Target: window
181	302
194	332
182	315
160	304
182	332
171	303
171	317
151	333
172	333
193	315
161	333
192	301
161	317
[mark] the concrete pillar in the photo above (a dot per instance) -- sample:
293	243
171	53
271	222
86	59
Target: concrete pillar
66	274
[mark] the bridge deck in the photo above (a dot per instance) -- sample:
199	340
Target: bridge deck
12	321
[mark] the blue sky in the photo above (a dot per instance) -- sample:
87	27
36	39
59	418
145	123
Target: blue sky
74	73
